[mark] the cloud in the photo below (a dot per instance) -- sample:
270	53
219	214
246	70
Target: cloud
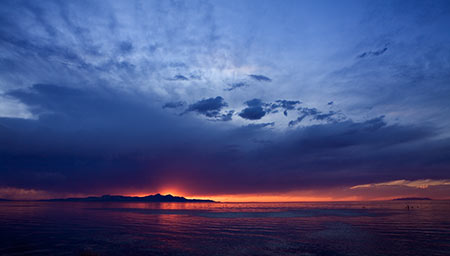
175	104
126	47
211	107
64	108
288	104
314	114
325	116
254	111
99	141
24	194
227	116
256	108
236	85
284	104
261	125
424	183
373	53
179	78
91	137
260	78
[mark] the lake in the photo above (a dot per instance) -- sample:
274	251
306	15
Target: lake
319	228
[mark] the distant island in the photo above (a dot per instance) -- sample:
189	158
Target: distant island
116	198
411	198
1	199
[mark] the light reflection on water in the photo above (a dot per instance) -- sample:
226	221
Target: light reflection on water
349	228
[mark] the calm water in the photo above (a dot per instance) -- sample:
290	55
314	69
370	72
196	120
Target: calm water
356	228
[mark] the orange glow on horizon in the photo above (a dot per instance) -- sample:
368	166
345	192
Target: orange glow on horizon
237	198
254	197
273	198
376	192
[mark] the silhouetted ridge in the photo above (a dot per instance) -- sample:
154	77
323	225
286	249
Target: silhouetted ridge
118	198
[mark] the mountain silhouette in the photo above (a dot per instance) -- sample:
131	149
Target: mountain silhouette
117	198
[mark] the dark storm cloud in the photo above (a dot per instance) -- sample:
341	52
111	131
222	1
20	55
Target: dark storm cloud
99	141
260	78
60	105
88	136
327	154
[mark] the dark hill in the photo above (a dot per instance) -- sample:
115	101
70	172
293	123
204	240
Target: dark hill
114	198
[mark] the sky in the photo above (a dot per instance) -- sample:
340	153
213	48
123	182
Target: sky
230	100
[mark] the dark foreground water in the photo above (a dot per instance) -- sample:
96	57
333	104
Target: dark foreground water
356	228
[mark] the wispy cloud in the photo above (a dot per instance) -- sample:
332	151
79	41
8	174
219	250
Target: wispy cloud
236	85
175	104
424	183
21	193
260	78
373	53
178	78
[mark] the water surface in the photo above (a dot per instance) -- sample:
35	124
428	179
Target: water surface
337	228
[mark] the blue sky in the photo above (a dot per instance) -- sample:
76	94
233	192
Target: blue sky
242	96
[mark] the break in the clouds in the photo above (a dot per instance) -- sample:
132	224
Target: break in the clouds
232	97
